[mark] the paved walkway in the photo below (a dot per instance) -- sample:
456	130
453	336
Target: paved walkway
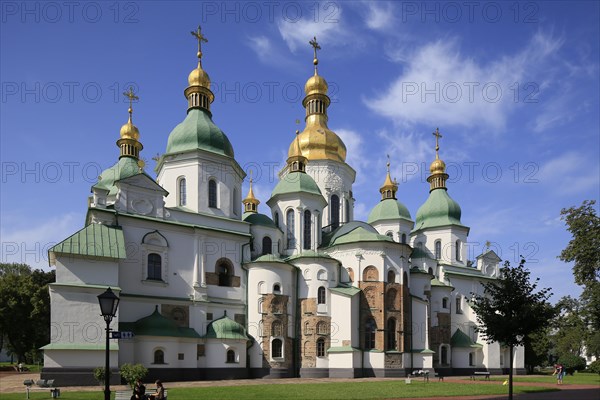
13	383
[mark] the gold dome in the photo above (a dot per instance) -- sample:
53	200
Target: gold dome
317	142
199	77
437	167
129	130
316	84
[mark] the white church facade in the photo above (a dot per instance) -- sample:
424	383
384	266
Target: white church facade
214	289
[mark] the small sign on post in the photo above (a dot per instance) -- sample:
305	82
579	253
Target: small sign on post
121	335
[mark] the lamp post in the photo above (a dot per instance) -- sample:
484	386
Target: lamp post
108	309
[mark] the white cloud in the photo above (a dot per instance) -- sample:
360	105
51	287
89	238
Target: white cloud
356	156
329	31
262	47
572	170
30	244
379	15
439	85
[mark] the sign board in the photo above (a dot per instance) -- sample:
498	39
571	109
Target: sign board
121	335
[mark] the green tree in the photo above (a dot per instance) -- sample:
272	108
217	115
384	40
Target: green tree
131	373
511	308
25	309
537	349
584	247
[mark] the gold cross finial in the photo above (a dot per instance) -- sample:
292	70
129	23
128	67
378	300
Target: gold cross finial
315	47
201	38
437	135
131	96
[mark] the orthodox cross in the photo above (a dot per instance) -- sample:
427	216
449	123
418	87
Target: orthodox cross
201	38
131	96
315	47
437	135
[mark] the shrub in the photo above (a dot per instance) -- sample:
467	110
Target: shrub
594	367
99	375
130	373
572	363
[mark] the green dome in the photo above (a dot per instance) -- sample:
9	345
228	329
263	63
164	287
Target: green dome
438	210
296	182
124	168
389	209
353	232
258	219
198	131
157	325
225	328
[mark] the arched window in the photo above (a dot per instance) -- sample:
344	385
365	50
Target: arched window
212	193
404	238
438	249
370	274
370	328
267	245
154	267
225	271
320	347
159	357
230	356
291	239
430	271
322	328
276	348
334	204
458	304
391	334
351	274
444	355
445	302
321	299
182	192
391	276
347	207
276	288
236	202
322	275
276	328
307	230
276	218
458	250
307	330
471	359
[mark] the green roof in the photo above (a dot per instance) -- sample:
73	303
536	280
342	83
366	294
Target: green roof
422	351
158	325
297	182
198	131
389	209
437	283
258	219
342	349
95	240
438	210
353	232
420	253
225	328
345	290
124	168
80	346
272	258
465	271
310	254
461	339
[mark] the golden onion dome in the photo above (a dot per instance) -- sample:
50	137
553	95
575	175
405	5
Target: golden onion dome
129	130
316	84
437	167
199	77
318	142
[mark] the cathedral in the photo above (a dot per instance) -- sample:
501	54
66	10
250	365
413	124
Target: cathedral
214	286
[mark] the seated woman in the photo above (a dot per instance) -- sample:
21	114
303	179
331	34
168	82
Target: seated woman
139	390
160	392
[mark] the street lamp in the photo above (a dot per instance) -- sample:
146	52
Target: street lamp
108	309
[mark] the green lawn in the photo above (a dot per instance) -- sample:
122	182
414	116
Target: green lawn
30	367
335	390
578	378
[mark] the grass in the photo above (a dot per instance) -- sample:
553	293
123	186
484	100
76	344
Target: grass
335	390
578	378
30	367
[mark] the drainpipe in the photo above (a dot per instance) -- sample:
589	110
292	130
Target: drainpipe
246	308
298	325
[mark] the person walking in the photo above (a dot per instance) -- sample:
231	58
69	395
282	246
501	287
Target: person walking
559	371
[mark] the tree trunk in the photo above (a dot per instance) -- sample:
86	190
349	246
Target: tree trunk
510	374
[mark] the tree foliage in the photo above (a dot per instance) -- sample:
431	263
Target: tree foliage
511	307
25	309
537	348
584	247
572	363
570	327
132	372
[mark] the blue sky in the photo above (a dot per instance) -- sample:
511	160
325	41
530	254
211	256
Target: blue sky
512	86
